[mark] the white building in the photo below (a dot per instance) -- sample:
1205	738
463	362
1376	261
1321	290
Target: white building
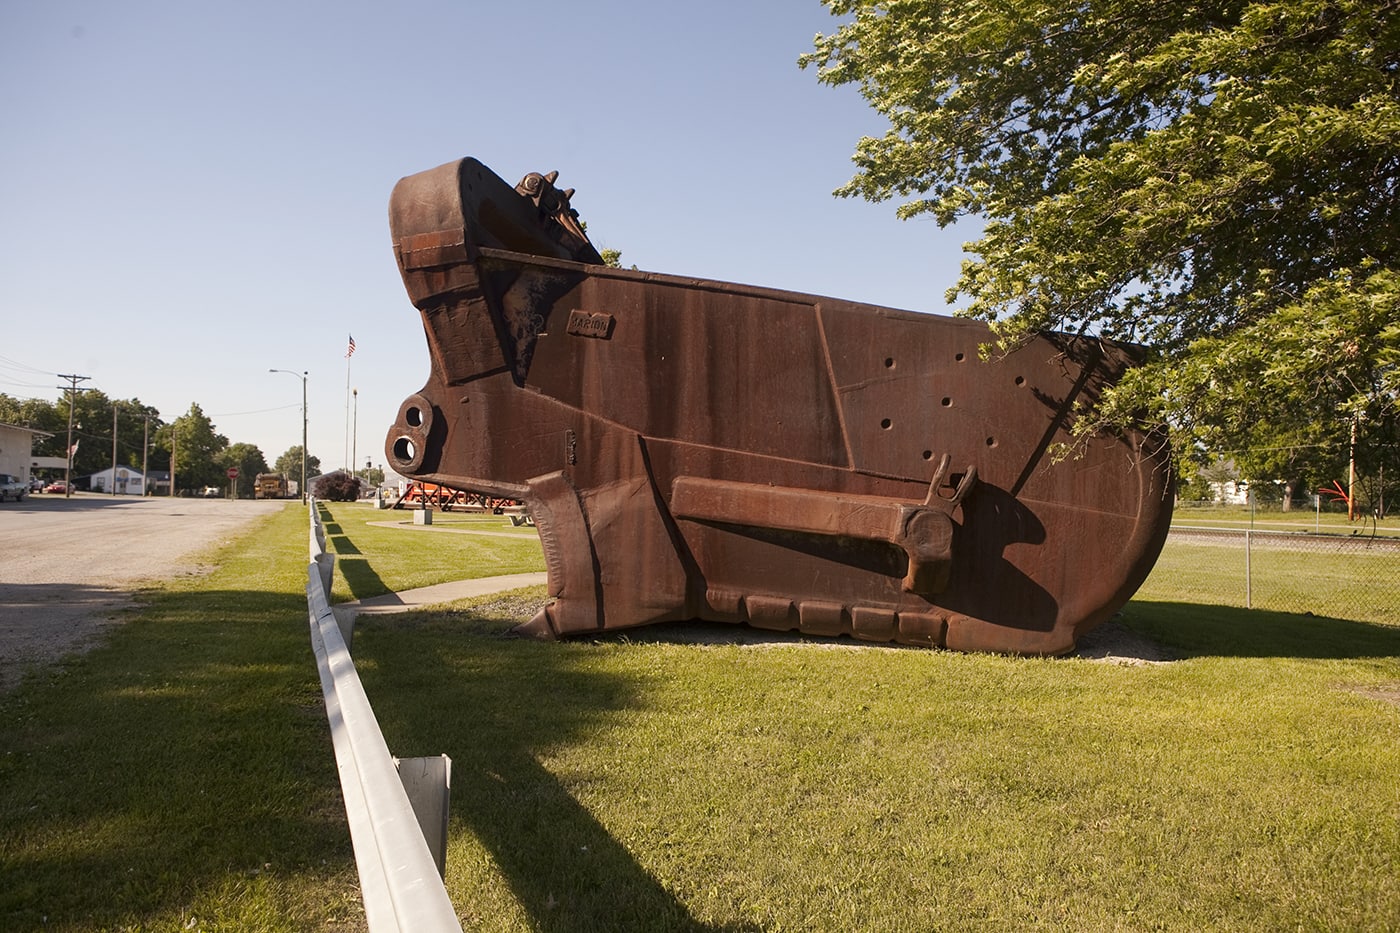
1232	492
130	481
17	449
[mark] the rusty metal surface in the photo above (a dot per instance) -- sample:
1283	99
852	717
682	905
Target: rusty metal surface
694	449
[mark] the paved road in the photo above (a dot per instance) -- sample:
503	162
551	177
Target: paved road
68	567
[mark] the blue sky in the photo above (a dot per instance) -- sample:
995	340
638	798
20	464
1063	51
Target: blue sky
192	193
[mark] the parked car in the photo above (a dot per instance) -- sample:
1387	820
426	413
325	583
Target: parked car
11	487
59	487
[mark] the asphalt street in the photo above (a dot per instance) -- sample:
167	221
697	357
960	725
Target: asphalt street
70	566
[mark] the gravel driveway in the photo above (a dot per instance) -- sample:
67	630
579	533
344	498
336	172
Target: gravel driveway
68	567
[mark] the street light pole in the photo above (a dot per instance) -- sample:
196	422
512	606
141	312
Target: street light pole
302	376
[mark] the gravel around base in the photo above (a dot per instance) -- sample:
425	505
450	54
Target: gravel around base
70	567
1110	643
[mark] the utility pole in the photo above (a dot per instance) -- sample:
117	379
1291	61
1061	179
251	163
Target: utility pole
72	390
1351	475
145	458
114	448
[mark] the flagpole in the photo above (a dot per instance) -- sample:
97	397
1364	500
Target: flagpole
347	409
349	352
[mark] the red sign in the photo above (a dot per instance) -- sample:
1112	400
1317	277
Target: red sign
233	472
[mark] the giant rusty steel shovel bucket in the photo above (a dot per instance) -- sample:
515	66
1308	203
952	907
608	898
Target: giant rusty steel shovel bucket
699	450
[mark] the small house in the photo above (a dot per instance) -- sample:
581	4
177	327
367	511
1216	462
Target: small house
129	481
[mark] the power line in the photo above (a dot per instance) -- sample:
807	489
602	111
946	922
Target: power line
258	411
16	364
26	385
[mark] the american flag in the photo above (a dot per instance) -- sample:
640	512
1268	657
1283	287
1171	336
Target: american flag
350	350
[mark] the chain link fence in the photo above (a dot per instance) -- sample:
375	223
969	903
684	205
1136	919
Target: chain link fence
1354	577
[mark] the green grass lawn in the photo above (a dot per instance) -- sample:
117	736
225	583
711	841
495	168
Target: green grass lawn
623	783
1353	580
373	545
618	784
181	776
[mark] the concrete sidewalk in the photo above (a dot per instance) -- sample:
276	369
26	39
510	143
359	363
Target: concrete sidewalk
345	613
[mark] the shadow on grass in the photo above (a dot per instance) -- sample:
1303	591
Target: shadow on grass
362	579
342	545
500	703
1227	631
187	755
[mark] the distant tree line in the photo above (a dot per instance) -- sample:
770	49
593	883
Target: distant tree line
201	455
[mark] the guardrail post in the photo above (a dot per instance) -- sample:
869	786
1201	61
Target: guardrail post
428	783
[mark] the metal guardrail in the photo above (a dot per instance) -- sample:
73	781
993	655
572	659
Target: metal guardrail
400	880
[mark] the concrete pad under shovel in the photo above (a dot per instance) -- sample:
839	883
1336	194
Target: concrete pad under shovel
346	613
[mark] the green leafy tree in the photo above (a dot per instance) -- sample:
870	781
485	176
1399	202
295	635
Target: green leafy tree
613	257
133	434
1299	456
92	428
197	447
1219	181
92	431
248	460
290	464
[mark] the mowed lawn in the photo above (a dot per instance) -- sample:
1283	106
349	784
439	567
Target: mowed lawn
628	783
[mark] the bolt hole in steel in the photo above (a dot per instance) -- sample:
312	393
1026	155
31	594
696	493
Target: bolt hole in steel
889	362
885	423
1020	380
959	357
947	403
928	455
991	442
413	417
404	450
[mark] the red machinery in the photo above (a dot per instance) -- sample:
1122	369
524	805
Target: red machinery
445	498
